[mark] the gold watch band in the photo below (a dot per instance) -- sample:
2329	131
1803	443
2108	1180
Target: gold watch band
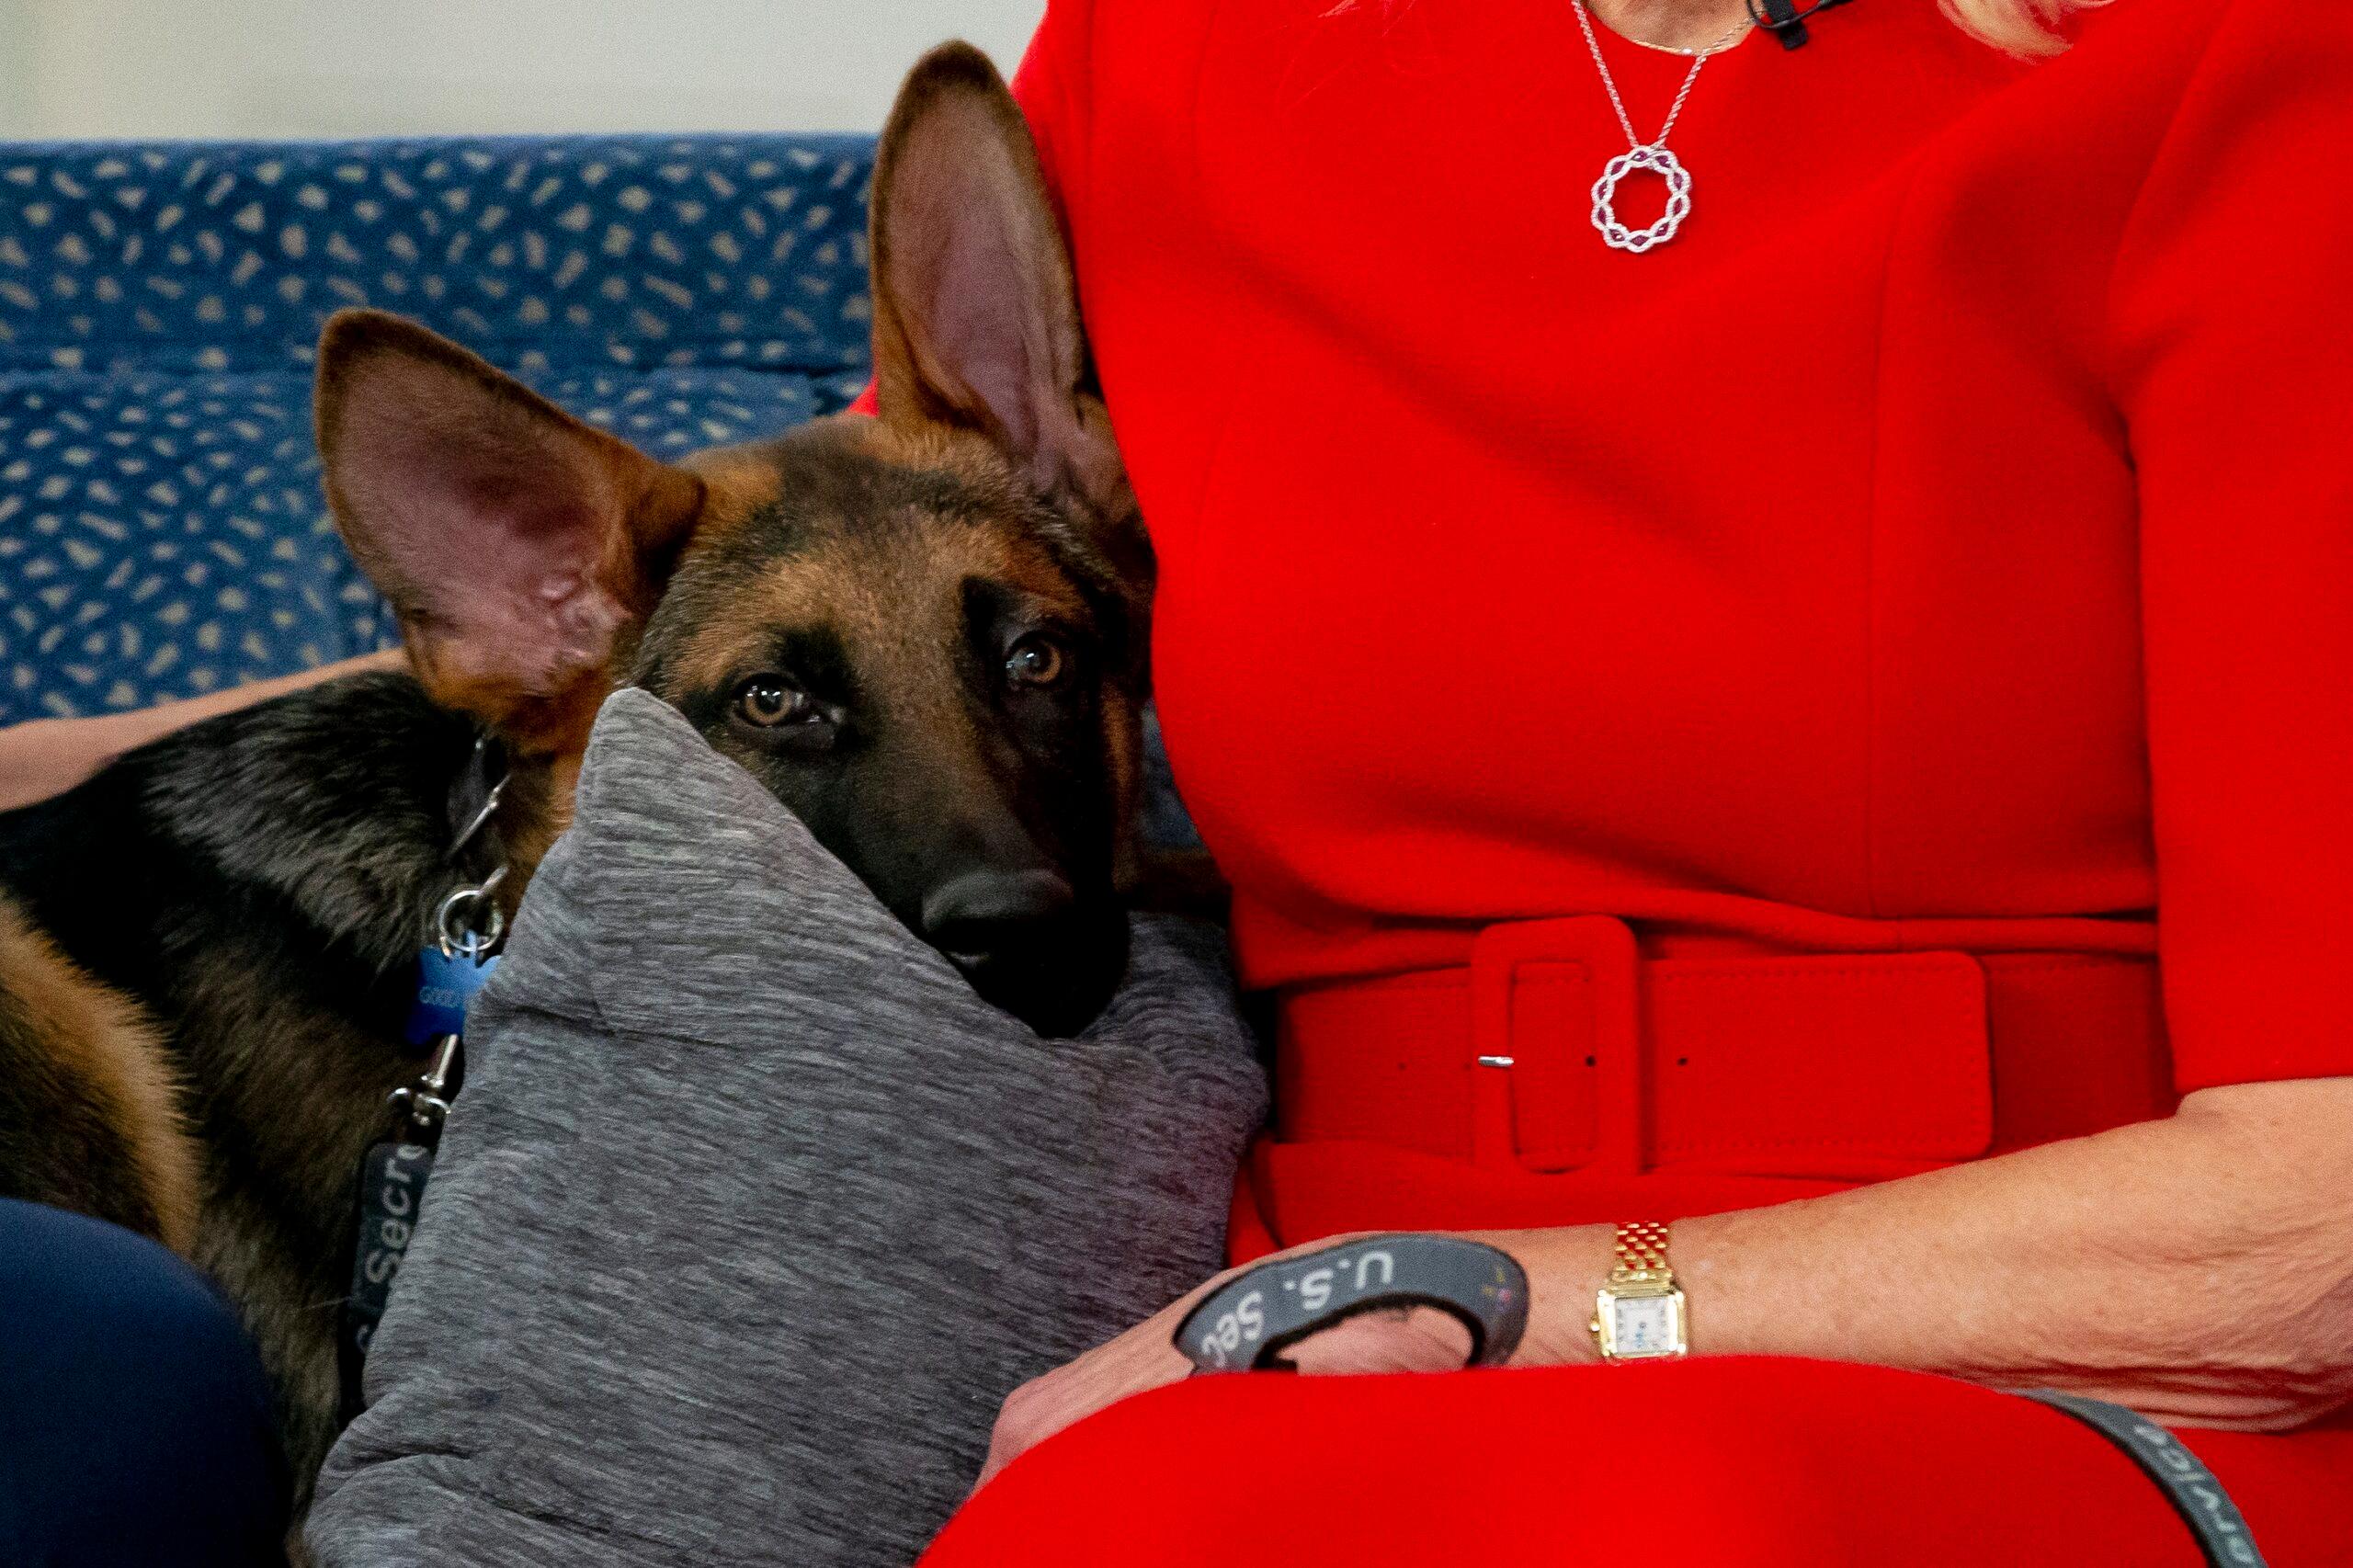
1642	1253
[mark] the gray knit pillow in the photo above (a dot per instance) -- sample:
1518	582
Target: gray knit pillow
751	1212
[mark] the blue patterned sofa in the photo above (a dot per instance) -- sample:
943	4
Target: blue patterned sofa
161	529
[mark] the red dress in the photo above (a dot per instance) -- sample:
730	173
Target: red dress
1891	621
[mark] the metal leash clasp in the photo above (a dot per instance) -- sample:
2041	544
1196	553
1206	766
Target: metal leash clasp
469	925
424	1105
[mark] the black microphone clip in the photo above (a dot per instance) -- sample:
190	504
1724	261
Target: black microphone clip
1784	20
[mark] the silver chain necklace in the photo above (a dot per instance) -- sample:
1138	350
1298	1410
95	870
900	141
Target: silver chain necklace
1640	154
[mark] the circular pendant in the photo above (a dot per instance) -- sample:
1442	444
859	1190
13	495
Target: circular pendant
1659	160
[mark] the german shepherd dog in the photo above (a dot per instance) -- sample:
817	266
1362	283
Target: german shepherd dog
924	631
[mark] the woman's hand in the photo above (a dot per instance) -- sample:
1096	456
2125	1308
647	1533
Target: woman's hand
1144	1357
1419	1339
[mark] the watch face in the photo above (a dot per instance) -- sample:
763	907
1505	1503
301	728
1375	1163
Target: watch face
1645	1325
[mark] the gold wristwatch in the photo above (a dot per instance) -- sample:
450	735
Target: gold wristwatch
1638	1315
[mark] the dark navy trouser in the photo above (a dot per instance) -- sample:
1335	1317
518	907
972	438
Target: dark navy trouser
134	1423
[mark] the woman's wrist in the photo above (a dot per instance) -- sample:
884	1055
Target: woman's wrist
1565	1265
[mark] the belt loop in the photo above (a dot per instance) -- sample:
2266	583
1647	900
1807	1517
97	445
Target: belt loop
1606	949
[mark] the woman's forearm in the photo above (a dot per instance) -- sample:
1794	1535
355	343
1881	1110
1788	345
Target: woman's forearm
2199	1268
47	756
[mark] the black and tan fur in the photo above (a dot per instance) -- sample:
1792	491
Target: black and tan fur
205	950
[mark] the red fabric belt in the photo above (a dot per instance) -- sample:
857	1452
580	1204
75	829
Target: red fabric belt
1562	1072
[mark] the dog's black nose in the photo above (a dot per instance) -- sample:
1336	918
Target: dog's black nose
973	915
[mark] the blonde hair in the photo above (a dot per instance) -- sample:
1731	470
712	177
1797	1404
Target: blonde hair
2030	28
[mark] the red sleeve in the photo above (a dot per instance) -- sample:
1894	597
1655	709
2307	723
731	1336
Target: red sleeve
2233	314
1051	85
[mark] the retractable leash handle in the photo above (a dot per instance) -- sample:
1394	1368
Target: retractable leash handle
1246	1323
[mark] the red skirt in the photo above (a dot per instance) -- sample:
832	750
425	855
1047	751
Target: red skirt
1572	1074
1732	1462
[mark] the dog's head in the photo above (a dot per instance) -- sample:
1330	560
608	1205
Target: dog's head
923	632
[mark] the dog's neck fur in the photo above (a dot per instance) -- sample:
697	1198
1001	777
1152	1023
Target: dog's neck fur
335	797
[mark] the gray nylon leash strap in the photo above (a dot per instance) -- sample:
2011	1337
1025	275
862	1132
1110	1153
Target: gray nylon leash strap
2181	1475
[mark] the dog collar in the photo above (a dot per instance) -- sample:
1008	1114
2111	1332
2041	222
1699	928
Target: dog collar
475	846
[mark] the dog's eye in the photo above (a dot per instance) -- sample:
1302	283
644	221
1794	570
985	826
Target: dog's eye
766	701
1036	660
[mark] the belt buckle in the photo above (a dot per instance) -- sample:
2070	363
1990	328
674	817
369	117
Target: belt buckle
1605	948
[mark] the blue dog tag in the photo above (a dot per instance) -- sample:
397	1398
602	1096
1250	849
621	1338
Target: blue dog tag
445	985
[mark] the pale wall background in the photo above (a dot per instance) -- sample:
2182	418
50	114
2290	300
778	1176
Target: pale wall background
272	68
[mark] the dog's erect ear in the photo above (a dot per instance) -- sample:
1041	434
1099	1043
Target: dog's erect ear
515	543
975	314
